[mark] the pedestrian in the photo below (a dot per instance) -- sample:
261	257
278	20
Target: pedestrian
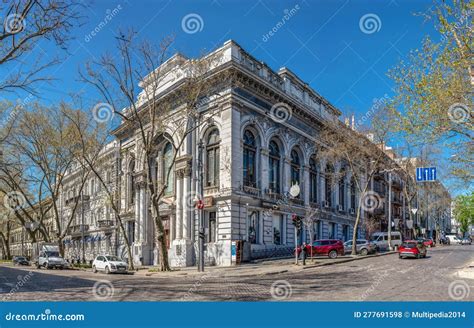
304	251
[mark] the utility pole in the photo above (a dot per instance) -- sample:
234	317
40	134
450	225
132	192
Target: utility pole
390	210
82	230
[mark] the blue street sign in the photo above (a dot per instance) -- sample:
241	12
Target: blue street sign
426	174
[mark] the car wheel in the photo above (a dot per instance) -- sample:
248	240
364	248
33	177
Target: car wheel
399	256
332	254
107	270
364	251
94	269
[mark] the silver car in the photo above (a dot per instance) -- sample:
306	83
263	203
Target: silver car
363	247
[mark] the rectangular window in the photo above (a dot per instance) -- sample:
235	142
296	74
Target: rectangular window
332	231
278	229
212	226
253	227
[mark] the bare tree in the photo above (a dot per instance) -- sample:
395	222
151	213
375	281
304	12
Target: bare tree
361	156
37	157
172	115
25	24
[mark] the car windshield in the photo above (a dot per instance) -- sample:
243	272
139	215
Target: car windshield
52	254
113	258
20	258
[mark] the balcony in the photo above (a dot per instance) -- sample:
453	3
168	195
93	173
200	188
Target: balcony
272	194
297	201
251	190
105	223
78	228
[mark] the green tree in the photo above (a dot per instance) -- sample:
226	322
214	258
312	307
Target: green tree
433	100
464	211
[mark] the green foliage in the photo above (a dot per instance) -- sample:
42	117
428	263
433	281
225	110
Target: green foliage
433	101
464	211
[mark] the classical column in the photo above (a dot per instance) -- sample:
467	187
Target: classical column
187	203
179	205
304	188
264	165
286	181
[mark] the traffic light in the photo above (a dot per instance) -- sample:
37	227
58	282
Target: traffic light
296	221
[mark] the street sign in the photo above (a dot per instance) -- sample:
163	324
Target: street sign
426	174
414	210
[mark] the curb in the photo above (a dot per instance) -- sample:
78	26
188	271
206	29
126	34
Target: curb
357	258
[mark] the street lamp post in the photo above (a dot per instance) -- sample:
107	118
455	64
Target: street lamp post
82	230
200	208
389	211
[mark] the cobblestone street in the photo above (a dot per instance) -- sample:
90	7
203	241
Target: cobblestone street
385	278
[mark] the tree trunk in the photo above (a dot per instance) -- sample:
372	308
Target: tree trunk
61	247
160	237
356	226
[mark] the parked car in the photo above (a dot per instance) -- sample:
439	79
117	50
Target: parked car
428	242
49	257
20	260
363	247
466	241
412	248
330	247
380	239
109	264
453	239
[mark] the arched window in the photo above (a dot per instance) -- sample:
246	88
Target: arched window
342	188
212	159
274	167
168	171
328	184
353	193
131	182
313	180
249	160
295	170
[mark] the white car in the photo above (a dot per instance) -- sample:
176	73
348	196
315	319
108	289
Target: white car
109	264
453	239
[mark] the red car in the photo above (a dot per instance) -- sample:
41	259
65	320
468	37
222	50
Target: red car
428	242
330	247
412	248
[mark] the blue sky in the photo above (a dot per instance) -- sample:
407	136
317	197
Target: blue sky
322	42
